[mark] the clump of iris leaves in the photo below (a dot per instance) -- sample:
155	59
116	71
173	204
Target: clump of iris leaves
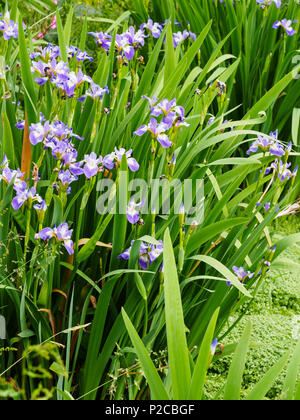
133	305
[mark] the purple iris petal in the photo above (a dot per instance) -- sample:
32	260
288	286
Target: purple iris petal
133	164
155	28
141	131
68	244
20	125
164	140
143	260
45	234
241	273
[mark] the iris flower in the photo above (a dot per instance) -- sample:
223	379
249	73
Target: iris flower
133	215
147	255
157	130
60	233
110	160
91	166
241	274
102	39
267	144
269	2
283	170
155	28
9	27
286	24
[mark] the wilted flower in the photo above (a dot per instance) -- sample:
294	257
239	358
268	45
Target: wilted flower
20	125
221	86
66	178
41	205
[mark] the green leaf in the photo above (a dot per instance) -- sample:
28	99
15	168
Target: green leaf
176	333
140	286
270	97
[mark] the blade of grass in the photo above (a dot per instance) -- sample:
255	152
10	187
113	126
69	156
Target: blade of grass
176	332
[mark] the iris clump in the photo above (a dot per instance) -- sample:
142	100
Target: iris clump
140	194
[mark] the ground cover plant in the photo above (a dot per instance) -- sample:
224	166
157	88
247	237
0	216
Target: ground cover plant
140	183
